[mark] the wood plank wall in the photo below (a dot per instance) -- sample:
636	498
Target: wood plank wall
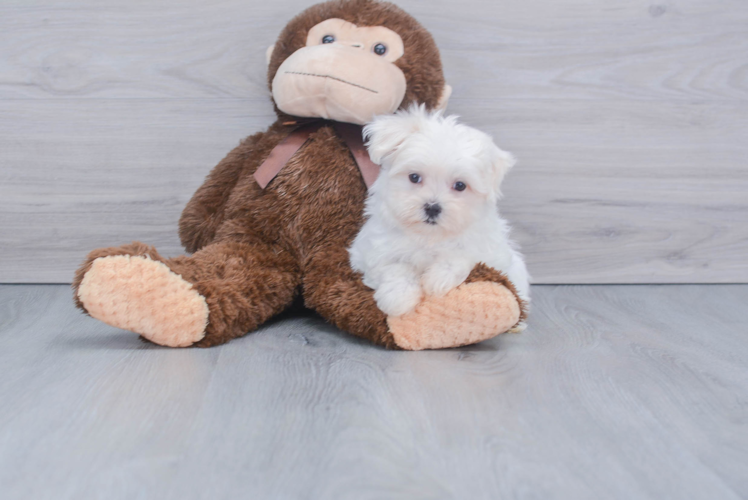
629	117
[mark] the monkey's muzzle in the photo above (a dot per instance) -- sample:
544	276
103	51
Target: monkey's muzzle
338	82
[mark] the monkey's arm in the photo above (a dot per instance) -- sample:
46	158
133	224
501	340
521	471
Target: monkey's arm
205	212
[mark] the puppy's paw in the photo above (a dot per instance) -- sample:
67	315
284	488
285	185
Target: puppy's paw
395	298
442	277
519	327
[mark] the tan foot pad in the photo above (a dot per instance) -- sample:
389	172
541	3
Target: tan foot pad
146	297
468	314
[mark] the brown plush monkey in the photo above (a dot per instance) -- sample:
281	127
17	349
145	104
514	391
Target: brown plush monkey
255	249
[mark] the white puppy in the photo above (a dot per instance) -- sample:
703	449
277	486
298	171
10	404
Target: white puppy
432	213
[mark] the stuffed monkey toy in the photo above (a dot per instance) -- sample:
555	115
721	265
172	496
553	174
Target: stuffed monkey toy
275	217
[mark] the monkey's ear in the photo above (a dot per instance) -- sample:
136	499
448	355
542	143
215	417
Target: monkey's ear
269	53
444	99
501	161
386	133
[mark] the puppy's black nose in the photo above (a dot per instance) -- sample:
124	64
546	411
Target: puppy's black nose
432	210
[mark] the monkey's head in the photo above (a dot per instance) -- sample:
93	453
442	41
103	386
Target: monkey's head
349	60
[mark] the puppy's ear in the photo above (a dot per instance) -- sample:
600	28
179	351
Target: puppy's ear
501	161
386	133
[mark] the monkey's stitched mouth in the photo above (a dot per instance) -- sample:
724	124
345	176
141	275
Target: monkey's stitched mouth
331	78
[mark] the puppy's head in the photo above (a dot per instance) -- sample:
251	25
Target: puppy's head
438	176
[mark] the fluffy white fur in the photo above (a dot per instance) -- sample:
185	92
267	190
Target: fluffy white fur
405	251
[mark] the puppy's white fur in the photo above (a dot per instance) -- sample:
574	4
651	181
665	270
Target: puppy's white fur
402	251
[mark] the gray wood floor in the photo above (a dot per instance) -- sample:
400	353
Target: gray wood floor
613	392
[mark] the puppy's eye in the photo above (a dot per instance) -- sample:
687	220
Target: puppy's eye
459	186
414	178
380	49
328	39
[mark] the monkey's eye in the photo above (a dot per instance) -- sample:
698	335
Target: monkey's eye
459	186
414	178
328	39
380	49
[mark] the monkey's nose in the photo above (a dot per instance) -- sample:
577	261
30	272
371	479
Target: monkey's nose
432	210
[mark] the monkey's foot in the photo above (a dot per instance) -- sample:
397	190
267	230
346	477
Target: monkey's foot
142	295
470	313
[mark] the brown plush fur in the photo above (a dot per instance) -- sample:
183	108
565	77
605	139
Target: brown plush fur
421	64
255	250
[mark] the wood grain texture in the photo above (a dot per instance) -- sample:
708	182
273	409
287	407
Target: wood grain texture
620	192
587	49
612	392
629	119
95	173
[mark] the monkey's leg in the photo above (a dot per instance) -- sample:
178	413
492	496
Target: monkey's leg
221	292
484	306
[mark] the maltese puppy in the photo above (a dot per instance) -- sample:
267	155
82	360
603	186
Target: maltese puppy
432	214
